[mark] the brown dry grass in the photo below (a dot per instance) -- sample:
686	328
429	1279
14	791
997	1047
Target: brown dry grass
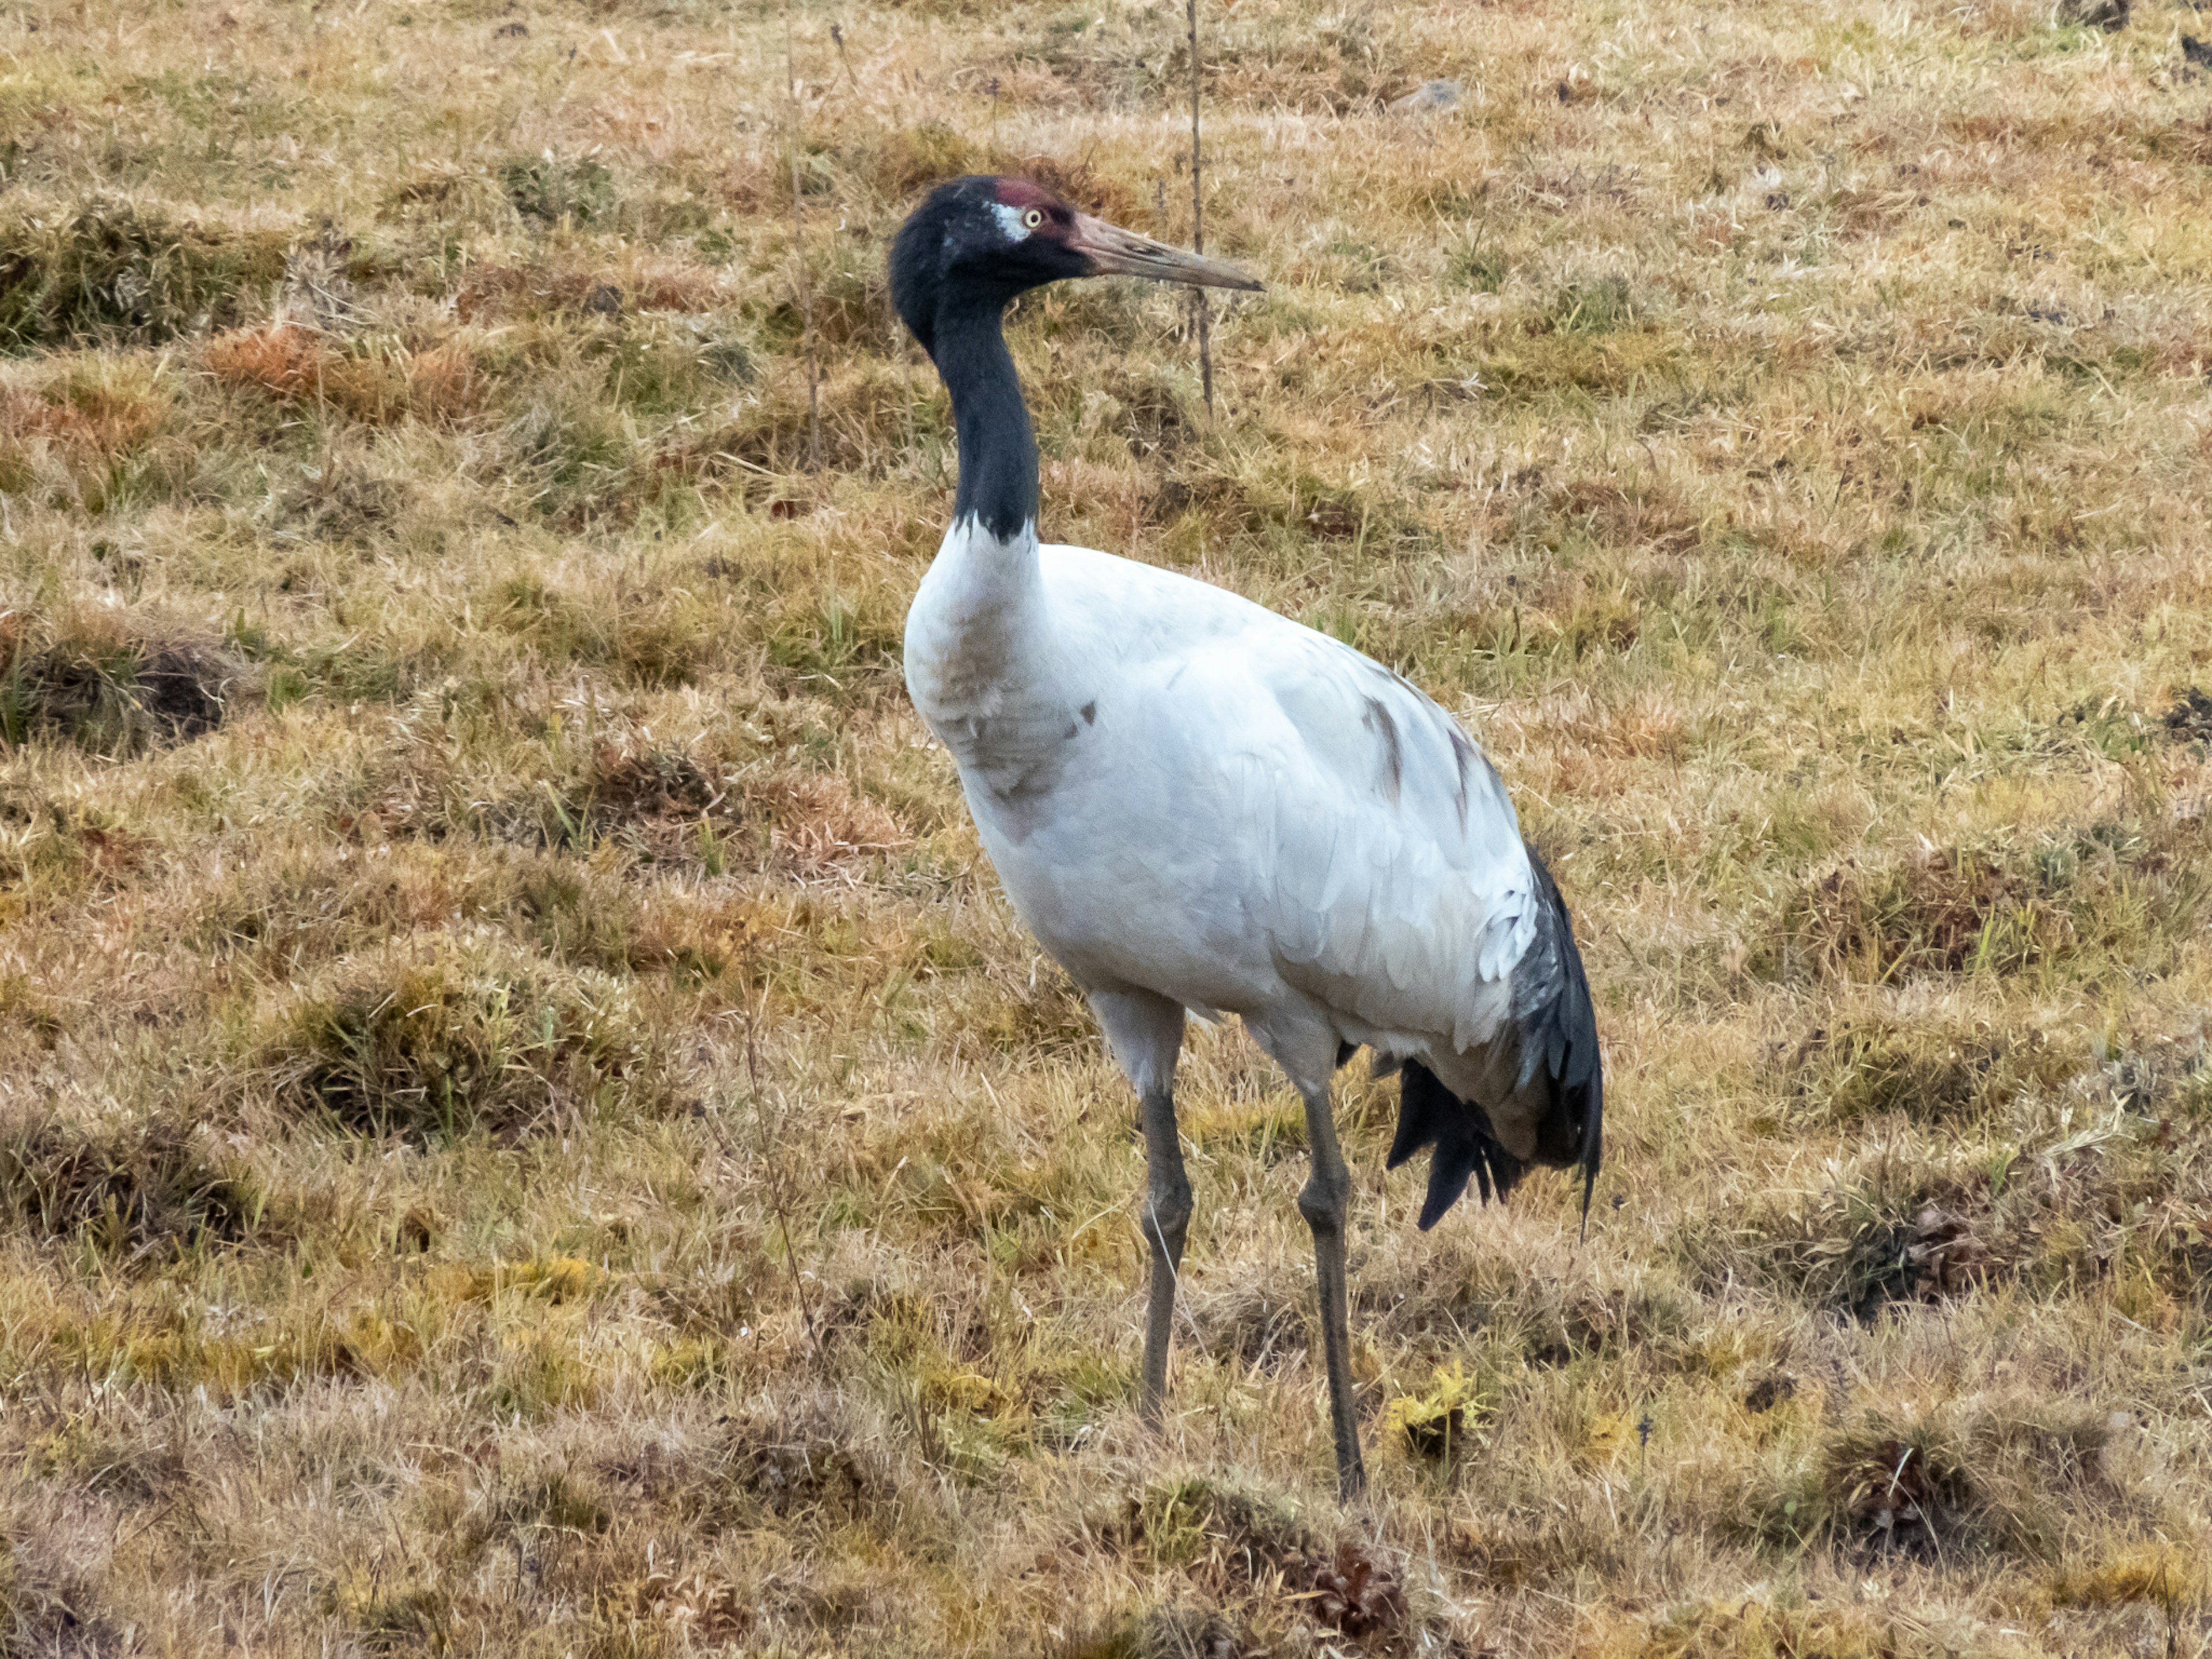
525	1125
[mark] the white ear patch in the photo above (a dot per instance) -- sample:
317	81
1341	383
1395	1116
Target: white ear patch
1011	221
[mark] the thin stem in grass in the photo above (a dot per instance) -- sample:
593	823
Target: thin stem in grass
1198	221
799	251
773	1170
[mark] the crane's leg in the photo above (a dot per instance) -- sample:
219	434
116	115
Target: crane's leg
1145	1031
1325	1203
1167	1222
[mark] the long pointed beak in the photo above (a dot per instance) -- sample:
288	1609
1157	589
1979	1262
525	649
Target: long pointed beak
1119	252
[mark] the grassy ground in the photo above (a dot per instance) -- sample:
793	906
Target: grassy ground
525	1125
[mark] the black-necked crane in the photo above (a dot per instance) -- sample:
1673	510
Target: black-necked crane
1199	807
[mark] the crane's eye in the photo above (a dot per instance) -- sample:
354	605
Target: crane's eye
1033	218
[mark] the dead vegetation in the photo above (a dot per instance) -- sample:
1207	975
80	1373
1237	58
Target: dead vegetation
302	367
112	683
1253	1572
525	1123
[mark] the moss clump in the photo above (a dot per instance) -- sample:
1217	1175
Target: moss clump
113	683
2116	890
549	190
1903	1487
108	269
1598	307
1736	1627
132	1189
2156	1575
1864	1242
433	1050
1925	1069
1433	1426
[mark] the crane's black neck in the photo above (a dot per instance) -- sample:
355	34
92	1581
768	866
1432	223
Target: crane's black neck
998	450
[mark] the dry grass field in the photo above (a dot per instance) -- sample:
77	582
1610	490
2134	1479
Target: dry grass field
525	1125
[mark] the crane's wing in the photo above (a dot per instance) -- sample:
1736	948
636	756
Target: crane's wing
1403	897
1402	891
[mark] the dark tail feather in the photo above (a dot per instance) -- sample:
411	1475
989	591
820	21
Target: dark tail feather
1556	1035
1573	1130
1429	1115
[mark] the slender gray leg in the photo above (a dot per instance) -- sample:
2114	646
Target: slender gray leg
1324	1202
1167	1221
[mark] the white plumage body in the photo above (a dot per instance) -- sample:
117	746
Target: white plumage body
1193	801
1198	805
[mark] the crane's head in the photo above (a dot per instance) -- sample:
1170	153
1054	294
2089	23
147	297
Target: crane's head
978	242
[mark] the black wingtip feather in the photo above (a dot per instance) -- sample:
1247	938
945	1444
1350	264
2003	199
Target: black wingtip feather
1560	1043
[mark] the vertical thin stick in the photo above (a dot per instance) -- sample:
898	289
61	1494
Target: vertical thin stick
798	250
1198	223
901	345
773	1171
